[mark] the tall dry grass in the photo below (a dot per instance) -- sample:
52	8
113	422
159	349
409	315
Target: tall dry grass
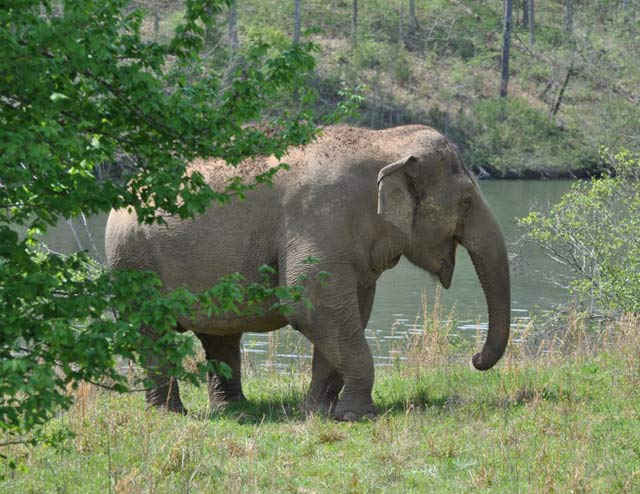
438	345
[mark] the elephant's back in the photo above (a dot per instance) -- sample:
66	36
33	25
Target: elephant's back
218	174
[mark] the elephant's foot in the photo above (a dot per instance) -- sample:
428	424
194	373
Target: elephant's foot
347	412
222	393
221	400
165	397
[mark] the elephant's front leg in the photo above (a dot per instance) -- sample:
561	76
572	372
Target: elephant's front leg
224	349
349	354
337	334
326	384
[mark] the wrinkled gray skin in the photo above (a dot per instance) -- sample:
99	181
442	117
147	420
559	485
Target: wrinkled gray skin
355	199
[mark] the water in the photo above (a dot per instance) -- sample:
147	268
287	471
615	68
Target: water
398	297
398	305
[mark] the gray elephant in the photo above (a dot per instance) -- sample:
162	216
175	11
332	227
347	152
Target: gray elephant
355	199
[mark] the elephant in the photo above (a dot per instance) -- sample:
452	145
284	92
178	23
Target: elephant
354	199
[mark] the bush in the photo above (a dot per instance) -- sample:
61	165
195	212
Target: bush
595	230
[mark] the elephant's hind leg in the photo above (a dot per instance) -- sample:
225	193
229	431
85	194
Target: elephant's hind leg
224	349
326	384
164	392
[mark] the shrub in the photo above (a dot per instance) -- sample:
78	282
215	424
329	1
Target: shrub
594	230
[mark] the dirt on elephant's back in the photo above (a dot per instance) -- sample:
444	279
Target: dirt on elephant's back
218	173
345	138
332	141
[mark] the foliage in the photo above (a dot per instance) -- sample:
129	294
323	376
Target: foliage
594	231
81	88
507	135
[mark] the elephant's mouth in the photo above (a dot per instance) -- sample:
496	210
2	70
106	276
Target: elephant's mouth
447	266
446	273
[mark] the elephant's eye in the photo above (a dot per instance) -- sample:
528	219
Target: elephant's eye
466	203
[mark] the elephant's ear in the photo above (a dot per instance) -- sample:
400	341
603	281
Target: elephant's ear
395	203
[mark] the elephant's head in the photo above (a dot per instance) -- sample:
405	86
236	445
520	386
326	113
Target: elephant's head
434	201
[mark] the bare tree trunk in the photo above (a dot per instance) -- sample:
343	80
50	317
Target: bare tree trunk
556	105
354	23
400	27
525	13
532	26
567	7
506	44
156	22
413	20
211	33
296	22
233	27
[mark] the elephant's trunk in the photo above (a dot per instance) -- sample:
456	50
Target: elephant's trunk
484	242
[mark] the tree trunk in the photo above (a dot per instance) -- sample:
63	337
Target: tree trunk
296	22
525	13
233	27
532	38
413	20
211	33
354	23
567	21
506	44
400	27
556	105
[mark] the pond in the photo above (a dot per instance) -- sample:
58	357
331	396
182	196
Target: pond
397	310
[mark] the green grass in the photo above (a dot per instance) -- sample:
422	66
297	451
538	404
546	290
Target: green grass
566	421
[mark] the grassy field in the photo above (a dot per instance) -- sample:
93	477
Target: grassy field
561	414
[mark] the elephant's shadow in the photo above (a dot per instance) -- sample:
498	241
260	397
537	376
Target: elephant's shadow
279	409
290	409
276	410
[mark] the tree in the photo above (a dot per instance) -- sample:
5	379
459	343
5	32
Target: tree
233	27
567	16
413	20
80	88
296	22
532	33
525	13
354	22
506	43
401	37
594	230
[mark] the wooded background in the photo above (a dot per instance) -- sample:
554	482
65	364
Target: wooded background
574	71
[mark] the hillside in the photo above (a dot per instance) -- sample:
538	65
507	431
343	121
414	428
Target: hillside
443	70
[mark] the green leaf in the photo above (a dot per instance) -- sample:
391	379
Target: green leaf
58	96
